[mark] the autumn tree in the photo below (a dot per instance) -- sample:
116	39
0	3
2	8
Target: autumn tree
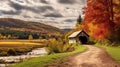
1	36
116	20
102	19
97	19
9	36
30	37
116	10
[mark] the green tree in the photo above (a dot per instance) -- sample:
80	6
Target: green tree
79	20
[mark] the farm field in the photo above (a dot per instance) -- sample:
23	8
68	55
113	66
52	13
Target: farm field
17	47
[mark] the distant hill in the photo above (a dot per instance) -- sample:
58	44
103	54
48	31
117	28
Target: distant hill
27	26
67	30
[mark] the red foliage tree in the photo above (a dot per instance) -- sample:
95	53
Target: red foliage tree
98	18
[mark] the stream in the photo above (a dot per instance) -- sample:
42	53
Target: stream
15	59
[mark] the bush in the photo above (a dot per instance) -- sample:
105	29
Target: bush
53	46
3	53
91	42
11	52
2	61
104	42
30	37
59	46
21	51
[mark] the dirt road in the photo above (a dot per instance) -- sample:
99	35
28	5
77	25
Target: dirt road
93	57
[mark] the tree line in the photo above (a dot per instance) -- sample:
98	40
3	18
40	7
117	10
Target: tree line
13	34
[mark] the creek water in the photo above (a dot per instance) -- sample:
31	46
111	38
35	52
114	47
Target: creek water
15	59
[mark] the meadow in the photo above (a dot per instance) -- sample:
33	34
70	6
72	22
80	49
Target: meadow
18	47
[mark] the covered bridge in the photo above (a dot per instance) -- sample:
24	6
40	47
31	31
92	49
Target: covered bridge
79	37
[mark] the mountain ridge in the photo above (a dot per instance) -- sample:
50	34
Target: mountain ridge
27	26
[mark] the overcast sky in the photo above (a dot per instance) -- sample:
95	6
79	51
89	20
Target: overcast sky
59	13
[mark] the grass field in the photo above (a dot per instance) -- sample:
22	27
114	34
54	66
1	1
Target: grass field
42	61
19	46
35	41
114	52
21	43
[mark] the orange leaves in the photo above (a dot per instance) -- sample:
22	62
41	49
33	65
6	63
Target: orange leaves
99	31
102	31
97	19
92	28
102	18
116	10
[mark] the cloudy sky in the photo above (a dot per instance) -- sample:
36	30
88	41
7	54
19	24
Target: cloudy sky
59	13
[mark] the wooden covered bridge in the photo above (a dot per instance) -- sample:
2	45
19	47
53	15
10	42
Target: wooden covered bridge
79	37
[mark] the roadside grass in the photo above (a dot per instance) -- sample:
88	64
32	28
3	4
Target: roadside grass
114	52
43	61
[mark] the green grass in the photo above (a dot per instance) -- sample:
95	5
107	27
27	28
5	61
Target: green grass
42	61
114	52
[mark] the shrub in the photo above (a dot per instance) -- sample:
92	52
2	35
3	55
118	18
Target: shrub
59	46
30	37
2	61
11	52
3	53
53	46
20	51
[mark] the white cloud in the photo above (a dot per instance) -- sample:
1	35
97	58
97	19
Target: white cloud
52	12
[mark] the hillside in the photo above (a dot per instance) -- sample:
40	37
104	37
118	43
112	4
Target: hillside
26	26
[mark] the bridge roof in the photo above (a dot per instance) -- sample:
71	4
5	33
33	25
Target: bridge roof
75	34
